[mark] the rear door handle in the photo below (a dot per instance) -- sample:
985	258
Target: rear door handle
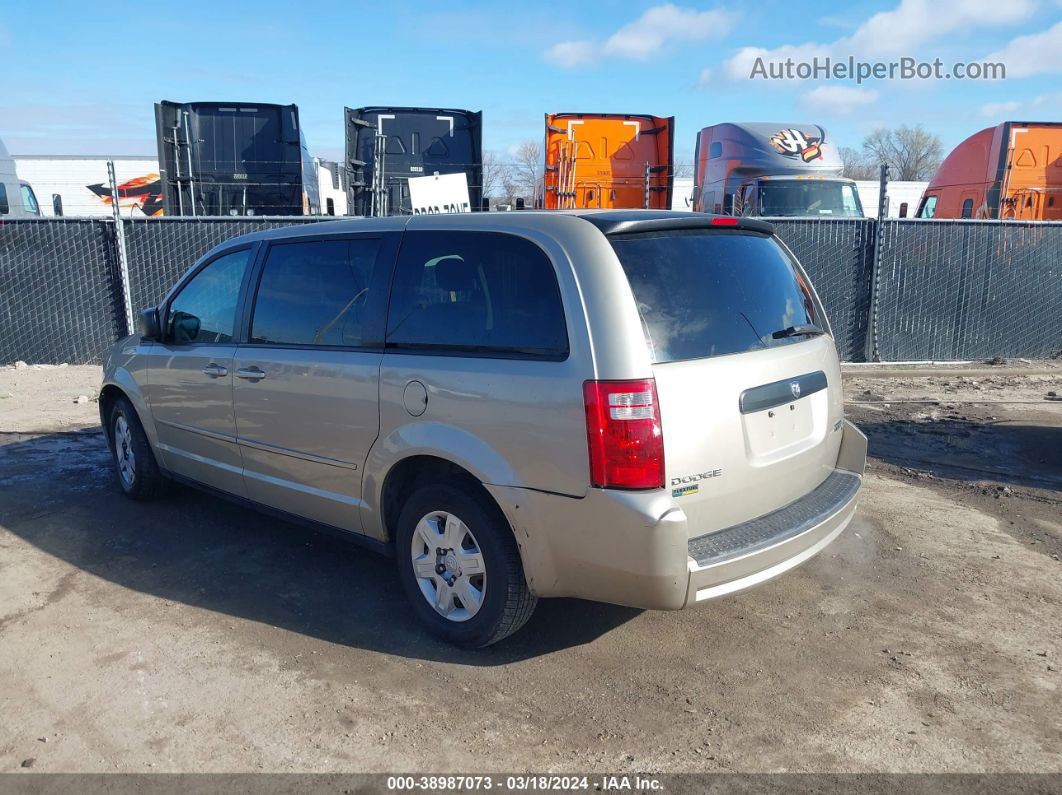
215	370
250	373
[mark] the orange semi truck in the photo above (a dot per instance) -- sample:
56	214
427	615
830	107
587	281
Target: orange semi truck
1011	171
608	160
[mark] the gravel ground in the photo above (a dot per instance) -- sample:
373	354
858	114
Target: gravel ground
194	635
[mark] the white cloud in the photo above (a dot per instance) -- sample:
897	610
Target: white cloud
994	109
889	34
705	78
569	54
838	99
1034	54
1044	104
646	36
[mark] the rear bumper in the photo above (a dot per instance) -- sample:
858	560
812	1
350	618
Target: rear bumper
634	548
745	555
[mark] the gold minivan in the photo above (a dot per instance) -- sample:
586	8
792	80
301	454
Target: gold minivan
639	407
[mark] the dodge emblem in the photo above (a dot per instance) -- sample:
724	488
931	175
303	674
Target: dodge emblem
794	387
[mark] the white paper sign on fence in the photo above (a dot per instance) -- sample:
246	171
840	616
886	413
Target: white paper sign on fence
439	193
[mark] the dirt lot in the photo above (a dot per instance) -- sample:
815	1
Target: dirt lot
193	635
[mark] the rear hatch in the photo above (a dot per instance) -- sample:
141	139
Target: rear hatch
749	387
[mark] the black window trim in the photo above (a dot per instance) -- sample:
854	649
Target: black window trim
164	312
477	351
376	305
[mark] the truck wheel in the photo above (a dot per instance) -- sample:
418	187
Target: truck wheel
460	566
134	462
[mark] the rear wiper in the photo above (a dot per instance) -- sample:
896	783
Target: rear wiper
802	330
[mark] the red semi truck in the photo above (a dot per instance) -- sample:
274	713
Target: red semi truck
1011	171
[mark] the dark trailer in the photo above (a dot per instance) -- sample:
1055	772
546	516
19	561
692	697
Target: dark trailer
234	158
387	146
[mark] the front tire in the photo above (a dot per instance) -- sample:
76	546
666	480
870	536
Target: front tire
135	468
460	566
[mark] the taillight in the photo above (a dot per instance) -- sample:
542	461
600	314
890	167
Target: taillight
725	221
623	428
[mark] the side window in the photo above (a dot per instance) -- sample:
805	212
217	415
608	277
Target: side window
476	292
715	150
205	308
967	209
929	206
29	200
314	292
5	208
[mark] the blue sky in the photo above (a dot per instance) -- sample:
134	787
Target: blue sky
81	78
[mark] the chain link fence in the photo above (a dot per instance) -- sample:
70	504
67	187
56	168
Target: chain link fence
60	292
946	290
969	290
837	254
161	249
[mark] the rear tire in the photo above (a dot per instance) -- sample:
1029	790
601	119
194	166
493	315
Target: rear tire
135	467
460	566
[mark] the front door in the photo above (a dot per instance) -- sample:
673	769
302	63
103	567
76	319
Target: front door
190	376
306	383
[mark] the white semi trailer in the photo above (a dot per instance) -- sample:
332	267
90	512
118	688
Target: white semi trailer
79	185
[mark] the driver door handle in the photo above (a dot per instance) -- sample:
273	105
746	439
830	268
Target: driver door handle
215	370
251	373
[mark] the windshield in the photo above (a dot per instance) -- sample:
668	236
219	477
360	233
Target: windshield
809	197
706	293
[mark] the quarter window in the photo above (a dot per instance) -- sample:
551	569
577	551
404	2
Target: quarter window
314	293
479	292
205	308
967	208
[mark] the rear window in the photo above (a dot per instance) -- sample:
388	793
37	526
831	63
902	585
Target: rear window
713	293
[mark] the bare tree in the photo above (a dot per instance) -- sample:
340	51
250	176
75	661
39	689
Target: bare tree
493	174
912	153
527	170
684	166
856	165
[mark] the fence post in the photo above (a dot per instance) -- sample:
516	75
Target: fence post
871	352
123	260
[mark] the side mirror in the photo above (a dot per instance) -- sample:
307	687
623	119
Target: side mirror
185	327
150	325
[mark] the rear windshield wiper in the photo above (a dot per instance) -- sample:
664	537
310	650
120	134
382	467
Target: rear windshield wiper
802	330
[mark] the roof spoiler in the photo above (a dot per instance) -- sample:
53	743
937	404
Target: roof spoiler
616	226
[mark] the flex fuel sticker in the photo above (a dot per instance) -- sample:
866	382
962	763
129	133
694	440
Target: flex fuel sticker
685	490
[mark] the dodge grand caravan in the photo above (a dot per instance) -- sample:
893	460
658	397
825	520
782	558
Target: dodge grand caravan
637	407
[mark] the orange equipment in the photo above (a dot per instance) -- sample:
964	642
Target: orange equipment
608	160
1011	172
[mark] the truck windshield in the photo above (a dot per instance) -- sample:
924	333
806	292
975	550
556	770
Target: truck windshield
706	294
809	197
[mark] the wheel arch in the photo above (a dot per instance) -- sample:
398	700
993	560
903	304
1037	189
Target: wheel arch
122	385
432	447
411	472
